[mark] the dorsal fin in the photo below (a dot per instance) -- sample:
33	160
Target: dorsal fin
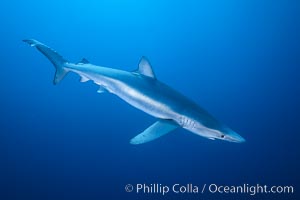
84	61
145	68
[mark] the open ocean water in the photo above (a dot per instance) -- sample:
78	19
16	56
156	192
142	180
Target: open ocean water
240	60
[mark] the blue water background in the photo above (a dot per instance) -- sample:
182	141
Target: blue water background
238	59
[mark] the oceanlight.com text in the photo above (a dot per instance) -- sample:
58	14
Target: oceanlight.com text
250	189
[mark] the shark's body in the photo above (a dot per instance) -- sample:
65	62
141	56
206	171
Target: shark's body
142	90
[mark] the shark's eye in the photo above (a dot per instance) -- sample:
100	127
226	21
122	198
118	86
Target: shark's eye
222	136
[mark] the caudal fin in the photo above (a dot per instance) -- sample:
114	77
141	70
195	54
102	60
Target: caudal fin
57	60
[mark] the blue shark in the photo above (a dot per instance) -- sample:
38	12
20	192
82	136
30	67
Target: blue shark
141	89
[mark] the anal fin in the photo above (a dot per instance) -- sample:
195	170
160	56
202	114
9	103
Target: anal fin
101	89
84	79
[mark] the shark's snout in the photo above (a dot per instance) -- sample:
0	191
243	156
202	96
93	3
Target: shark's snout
234	137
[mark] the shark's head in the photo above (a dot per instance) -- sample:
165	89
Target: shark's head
216	130
225	134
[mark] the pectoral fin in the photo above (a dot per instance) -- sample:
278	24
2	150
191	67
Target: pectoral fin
156	130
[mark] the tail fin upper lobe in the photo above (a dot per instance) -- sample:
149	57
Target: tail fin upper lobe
57	60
